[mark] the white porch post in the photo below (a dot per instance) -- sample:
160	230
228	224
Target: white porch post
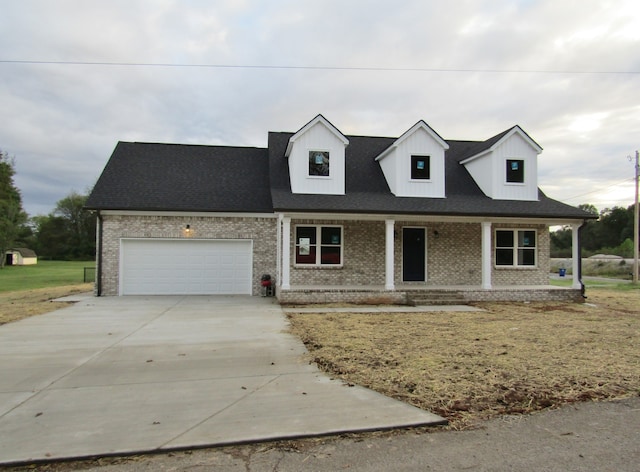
389	255
286	252
575	255
486	255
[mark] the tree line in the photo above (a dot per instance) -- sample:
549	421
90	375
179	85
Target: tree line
611	233
67	233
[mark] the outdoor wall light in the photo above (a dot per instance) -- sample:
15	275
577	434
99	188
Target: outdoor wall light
187	231
436	234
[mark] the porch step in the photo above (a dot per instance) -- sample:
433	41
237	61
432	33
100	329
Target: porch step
436	297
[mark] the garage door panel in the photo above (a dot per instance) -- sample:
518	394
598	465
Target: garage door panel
185	267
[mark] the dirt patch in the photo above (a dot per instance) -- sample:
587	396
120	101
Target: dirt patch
513	358
15	306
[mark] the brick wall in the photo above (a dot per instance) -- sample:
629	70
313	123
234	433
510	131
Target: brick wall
454	256
261	230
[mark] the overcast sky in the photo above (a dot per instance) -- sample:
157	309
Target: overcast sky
566	71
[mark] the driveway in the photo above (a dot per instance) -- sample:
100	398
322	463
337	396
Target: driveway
118	375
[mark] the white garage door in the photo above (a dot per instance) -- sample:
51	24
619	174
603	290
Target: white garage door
185	267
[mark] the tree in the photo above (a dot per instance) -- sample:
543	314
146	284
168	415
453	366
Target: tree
68	232
12	216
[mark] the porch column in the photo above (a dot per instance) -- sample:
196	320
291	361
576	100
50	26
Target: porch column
486	255
389	255
286	252
575	255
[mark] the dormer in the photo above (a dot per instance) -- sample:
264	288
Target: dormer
414	164
316	155
507	169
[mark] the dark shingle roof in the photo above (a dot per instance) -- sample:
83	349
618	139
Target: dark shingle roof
176	177
367	190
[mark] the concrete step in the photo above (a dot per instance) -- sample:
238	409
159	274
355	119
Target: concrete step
436	298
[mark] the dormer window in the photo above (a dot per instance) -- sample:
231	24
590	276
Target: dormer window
420	167
515	171
319	163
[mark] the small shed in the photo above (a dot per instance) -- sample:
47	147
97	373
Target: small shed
21	256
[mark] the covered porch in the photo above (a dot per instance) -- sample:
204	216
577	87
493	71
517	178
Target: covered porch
410	259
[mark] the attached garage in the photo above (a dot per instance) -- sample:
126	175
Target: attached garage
185	267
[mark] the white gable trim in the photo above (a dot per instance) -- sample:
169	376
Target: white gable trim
515	130
318	119
419	125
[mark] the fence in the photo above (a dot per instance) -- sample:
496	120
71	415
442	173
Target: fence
89	274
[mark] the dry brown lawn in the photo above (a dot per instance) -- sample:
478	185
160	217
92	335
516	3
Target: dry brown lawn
22	304
469	366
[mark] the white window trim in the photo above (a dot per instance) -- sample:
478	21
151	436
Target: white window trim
320	177
430	179
524	173
318	245
515	249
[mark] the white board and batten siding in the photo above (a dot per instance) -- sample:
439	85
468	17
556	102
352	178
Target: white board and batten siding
489	170
396	165
318	137
185	267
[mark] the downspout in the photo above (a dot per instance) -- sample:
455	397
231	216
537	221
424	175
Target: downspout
579	274
99	256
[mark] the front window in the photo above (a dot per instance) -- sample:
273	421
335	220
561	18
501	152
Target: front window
319	245
319	163
420	168
515	171
516	248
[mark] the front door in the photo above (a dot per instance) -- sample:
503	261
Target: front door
413	254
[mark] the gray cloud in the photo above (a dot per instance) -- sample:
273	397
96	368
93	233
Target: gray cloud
62	121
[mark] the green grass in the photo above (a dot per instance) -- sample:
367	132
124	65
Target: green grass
44	274
610	284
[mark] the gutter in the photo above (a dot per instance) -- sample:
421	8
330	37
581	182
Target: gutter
99	255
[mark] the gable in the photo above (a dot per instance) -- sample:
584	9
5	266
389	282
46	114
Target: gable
316	158
414	165
506	166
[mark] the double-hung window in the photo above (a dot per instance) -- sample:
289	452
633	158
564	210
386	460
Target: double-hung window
319	245
319	163
515	247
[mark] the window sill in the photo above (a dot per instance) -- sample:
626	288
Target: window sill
321	267
506	267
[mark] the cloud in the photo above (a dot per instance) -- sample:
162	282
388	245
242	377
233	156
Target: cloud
485	67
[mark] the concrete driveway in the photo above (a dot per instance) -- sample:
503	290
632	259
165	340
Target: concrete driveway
120	375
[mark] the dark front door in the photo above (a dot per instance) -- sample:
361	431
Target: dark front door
413	254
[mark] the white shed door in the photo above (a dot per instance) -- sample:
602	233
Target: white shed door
185	267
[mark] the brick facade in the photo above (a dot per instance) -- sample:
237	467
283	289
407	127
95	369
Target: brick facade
261	230
453	254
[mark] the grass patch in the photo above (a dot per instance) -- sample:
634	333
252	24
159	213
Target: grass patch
513	358
15	306
43	274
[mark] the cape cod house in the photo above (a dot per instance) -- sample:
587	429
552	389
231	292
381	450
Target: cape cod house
332	218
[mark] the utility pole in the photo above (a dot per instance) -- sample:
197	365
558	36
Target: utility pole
636	232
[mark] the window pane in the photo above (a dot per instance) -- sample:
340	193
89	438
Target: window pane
504	238
526	239
526	257
308	232
504	257
421	167
304	256
515	170
331	235
330	255
319	163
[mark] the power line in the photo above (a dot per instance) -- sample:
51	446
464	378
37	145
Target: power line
596	191
323	68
